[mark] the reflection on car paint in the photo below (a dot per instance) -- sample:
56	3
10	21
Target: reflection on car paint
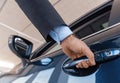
40	77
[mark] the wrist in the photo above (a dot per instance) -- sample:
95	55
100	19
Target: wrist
67	39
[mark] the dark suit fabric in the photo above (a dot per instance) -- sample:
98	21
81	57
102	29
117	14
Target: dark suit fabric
42	14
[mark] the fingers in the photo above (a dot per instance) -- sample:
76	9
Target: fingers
90	56
75	48
83	64
89	62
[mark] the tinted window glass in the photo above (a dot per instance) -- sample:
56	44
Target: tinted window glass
95	25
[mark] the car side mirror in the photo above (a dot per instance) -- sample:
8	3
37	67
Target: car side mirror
20	46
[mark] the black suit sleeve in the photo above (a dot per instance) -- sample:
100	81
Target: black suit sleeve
42	14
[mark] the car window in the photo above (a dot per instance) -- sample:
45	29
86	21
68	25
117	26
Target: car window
95	25
55	48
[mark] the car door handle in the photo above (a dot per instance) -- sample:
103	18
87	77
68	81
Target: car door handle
100	57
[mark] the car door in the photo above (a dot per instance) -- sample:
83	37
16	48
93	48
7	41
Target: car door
107	38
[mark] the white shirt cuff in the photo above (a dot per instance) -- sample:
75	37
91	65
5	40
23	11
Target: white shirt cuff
60	33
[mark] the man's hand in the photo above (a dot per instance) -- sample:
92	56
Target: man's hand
75	48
